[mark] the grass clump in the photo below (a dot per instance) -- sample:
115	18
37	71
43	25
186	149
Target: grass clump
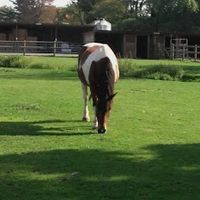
127	68
186	70
191	77
161	72
13	61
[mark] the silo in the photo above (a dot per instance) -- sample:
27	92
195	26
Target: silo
102	24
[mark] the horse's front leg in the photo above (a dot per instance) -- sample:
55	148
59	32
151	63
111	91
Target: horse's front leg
86	116
95	122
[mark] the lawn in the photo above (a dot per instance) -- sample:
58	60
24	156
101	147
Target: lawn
151	150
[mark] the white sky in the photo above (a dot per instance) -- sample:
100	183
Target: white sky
58	3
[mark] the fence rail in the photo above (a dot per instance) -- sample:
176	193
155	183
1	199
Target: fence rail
39	47
185	51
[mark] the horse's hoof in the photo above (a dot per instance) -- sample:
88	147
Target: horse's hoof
102	131
85	119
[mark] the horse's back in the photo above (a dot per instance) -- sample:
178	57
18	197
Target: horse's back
93	53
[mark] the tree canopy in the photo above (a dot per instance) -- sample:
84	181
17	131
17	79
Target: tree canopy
139	15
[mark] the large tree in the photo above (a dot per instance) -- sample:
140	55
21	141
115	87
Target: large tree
85	11
7	14
79	11
171	14
29	11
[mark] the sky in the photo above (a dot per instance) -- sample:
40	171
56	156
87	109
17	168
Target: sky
58	3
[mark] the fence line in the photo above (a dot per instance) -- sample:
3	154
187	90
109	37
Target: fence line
39	47
185	51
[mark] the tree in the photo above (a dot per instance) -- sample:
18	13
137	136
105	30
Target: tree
171	14
7	14
29	11
79	11
105	8
48	14
85	11
137	15
135	7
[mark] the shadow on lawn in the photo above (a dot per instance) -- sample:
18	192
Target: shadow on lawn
173	173
48	127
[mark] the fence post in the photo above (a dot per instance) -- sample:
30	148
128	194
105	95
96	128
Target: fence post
172	51
24	49
195	52
54	47
184	51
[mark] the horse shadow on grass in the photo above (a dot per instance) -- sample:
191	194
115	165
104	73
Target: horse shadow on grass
173	172
46	128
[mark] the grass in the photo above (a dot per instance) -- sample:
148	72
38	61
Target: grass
151	150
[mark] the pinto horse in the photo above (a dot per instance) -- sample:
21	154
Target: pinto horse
98	70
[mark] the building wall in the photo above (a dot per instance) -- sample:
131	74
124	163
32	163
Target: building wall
157	46
129	46
88	37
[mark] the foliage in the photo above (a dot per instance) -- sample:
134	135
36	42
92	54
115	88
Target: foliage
135	15
78	11
157	72
12	61
7	14
84	11
29	11
105	9
173	15
48	15
160	72
150	69
138	15
160	69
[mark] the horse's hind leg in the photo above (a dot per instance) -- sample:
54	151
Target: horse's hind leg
86	116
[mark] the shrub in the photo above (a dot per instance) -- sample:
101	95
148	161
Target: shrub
12	61
158	72
127	68
161	72
191	77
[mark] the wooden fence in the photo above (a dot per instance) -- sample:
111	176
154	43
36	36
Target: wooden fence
38	47
185	51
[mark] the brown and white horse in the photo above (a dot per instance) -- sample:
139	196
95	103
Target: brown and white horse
98	70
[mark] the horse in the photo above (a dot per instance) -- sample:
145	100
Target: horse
98	70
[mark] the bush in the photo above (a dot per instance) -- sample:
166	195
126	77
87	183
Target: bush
12	61
127	68
191	77
158	72
161	72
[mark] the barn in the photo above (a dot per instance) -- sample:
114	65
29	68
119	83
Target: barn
127	44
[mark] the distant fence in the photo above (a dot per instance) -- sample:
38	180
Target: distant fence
185	52
179	48
39	47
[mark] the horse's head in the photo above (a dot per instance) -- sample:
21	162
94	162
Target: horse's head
103	108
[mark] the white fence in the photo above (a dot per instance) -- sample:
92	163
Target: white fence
38	47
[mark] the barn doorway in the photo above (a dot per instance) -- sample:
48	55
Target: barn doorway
113	39
142	46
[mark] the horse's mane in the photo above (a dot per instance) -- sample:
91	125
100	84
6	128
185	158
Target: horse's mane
105	81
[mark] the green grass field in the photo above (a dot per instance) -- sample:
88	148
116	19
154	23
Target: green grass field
151	150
